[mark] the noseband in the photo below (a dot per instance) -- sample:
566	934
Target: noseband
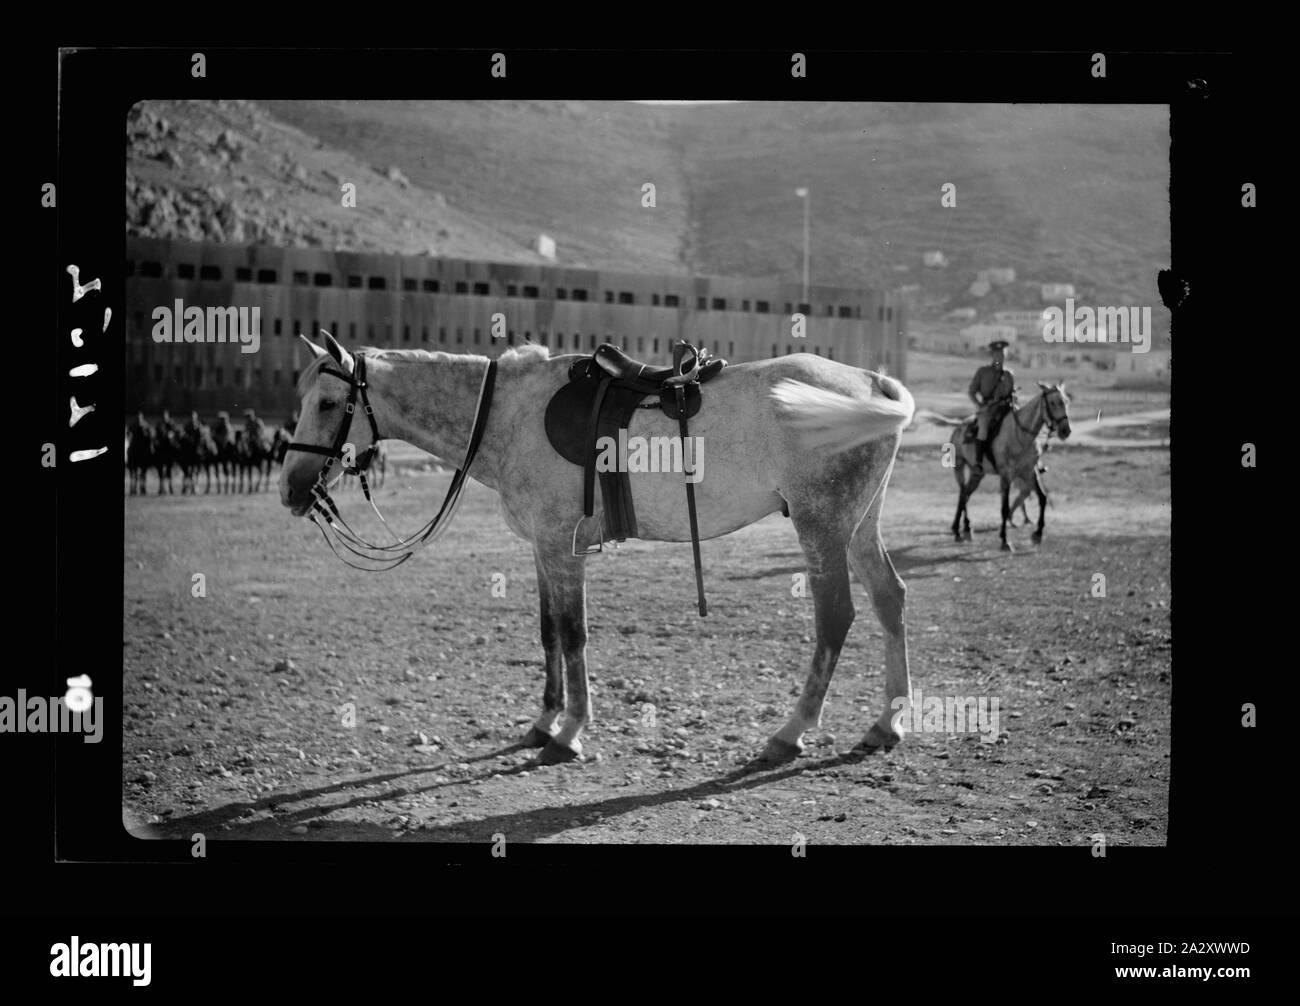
385	557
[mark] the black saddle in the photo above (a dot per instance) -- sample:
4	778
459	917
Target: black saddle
603	392
998	414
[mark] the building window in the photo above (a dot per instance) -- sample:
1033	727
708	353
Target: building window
388	334
593	340
300	277
334	327
462	286
512	290
478	336
762	306
198	377
640	344
830	352
406	333
409	285
424	333
460	337
481	289
701	303
184	270
626	297
889	313
530	292
654	300
210	272
376	283
243	274
510	337
744	305
541	337
370	334
609	296
220	379
297	327
806	310
275	378
153	270
442	334
817	350
579	294
354	283
277	326
846	311
267	276
654	347
672	300
559	340
787	350
239	377
561	293
315	327
352	330
774	349
430	285
731	349
719	303
178	374
789	308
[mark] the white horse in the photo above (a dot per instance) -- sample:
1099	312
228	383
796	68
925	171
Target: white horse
798	434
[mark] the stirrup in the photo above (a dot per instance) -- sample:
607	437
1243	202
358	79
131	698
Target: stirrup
578	530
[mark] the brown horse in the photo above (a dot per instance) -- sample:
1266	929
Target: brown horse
1016	455
798	434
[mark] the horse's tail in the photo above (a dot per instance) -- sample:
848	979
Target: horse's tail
834	422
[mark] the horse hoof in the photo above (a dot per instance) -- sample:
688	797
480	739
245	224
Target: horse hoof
1006	547
1036	537
536	738
779	752
965	536
555	753
877	739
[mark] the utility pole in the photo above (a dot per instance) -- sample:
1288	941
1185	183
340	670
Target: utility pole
806	196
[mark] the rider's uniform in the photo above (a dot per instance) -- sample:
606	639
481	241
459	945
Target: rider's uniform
992	385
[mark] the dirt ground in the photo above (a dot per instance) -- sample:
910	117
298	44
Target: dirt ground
235	702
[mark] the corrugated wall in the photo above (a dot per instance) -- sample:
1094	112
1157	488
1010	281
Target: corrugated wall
448	304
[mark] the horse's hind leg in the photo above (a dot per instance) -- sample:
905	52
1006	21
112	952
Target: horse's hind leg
889	597
828	578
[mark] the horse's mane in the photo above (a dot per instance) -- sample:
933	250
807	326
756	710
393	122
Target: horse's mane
516	356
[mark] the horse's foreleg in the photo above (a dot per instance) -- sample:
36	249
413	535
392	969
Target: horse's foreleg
1037	536
545	726
569	609
889	597
1006	513
828	578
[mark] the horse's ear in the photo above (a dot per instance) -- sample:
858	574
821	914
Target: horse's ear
338	352
1043	385
315	349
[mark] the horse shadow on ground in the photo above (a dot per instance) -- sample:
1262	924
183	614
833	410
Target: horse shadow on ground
519	826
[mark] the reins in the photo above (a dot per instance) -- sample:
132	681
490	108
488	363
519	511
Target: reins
385	557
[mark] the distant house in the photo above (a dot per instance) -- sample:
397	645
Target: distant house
978	337
979	288
935	259
1057	291
1152	365
997	277
1028	324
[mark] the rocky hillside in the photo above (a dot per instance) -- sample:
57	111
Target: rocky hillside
227	171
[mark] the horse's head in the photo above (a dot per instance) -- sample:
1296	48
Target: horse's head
1056	408
325	424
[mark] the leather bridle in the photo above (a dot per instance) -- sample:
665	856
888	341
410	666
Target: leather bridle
385	557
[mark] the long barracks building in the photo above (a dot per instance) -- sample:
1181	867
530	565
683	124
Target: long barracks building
419	302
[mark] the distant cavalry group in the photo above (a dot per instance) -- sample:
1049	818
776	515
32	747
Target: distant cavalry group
243	459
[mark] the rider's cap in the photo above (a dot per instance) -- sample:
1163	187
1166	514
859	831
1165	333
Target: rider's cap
998	344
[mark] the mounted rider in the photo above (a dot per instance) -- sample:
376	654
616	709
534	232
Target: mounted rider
992	389
254	428
140	428
194	425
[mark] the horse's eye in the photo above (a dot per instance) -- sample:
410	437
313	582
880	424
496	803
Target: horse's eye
325	406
